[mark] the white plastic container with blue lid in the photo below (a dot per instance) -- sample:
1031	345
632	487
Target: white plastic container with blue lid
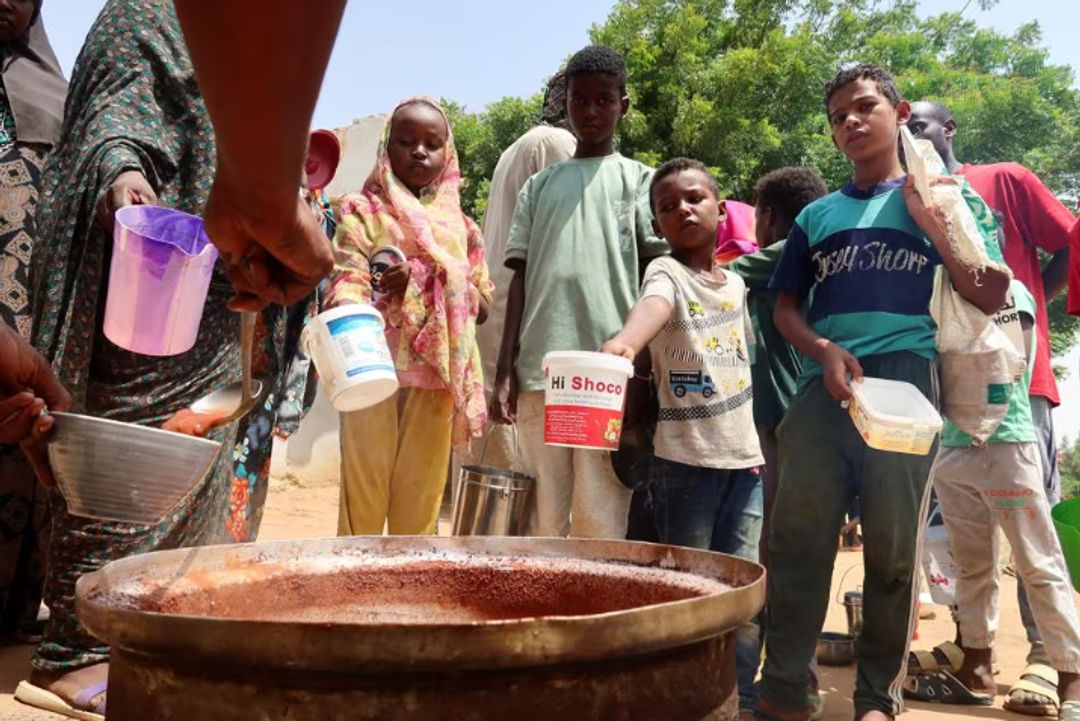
349	348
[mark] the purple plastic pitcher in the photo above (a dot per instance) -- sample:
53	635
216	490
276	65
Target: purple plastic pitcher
161	267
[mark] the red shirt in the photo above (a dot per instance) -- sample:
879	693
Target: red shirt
1074	271
1031	218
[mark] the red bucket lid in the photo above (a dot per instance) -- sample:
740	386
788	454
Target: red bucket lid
323	154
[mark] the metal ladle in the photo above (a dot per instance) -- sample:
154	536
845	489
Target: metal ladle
235	400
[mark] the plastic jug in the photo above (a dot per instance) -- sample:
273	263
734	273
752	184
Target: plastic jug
162	261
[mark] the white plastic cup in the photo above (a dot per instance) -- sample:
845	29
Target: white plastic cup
584	399
349	348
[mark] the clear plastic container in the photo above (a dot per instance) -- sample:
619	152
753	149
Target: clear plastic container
894	416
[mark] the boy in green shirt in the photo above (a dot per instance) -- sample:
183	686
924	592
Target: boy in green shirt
581	231
1000	483
780	197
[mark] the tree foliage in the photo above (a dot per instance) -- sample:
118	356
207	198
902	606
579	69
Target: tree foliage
480	139
738	85
1069	467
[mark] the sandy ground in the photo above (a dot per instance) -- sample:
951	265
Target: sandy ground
295	511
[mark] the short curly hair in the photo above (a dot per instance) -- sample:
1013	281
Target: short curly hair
864	71
678	165
597	59
786	191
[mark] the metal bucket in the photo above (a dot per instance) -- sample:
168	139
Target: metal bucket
492	502
853	609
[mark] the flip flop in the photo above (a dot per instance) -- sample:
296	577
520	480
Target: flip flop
1038	679
943	687
81	707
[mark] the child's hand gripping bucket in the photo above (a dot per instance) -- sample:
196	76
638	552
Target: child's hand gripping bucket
348	345
584	399
161	265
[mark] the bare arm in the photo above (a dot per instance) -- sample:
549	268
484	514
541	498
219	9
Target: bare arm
504	399
646	319
28	390
259	66
985	289
836	363
1056	274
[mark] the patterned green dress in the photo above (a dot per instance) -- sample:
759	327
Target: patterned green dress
133	104
23	502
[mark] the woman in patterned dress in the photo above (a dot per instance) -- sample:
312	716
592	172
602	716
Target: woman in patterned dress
135	131
31	111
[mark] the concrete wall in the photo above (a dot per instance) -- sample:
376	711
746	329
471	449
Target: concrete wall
313	454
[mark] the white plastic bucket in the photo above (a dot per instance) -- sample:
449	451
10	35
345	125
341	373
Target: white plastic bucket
349	348
939	567
584	398
894	416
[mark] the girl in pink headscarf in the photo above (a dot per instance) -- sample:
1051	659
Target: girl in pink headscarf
395	454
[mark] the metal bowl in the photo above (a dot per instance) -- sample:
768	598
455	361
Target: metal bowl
835	649
123	472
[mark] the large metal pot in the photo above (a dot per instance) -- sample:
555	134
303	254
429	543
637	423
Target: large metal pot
217	660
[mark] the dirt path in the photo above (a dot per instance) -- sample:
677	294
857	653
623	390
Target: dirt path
299	511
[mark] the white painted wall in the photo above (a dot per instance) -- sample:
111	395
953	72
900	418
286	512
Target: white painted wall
313	454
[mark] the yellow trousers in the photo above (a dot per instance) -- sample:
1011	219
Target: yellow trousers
394	457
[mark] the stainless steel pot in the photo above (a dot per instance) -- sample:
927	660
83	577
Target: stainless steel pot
671	660
492	502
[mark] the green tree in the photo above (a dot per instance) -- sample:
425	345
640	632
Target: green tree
737	83
482	137
1069	467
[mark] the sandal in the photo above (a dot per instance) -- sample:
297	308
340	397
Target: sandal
945	656
1038	680
943	687
81	708
1070	711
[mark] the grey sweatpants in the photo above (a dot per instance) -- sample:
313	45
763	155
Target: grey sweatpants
1001	484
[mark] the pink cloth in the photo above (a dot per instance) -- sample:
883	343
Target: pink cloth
735	233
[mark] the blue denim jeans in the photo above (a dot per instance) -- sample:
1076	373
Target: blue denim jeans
717	510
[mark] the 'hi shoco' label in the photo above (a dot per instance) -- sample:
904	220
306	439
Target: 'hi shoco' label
584	409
